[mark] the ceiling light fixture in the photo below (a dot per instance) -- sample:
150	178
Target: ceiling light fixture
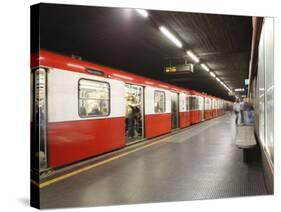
169	35
205	67
192	56
212	74
142	12
239	89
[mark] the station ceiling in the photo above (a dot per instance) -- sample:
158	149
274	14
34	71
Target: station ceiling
121	38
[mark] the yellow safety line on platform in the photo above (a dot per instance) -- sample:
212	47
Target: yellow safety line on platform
49	182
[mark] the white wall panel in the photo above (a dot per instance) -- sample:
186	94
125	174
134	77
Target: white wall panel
264	103
269	83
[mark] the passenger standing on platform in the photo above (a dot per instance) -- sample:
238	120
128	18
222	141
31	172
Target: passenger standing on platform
236	109
248	112
242	109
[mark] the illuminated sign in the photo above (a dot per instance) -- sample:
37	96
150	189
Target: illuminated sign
170	69
179	68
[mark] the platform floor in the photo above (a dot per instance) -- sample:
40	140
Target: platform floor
200	162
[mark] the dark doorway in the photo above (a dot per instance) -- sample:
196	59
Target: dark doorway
175	110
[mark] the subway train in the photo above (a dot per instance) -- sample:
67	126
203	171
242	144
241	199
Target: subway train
80	109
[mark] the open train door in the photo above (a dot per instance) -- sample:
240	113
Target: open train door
134	110
175	110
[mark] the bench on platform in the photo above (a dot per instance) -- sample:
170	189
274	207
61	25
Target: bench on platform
246	140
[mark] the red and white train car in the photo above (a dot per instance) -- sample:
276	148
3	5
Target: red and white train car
80	109
208	108
196	107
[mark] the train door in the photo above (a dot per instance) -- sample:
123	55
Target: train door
134	113
175	110
203	108
206	108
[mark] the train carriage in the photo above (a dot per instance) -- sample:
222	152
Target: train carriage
82	109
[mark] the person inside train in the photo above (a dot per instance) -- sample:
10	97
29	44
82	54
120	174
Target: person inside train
236	109
157	107
131	116
82	111
95	110
138	120
174	113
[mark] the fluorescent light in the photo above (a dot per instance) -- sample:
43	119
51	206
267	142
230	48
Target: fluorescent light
212	74
192	56
205	67
142	12
169	35
239	89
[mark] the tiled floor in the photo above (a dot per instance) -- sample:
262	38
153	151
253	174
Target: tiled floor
201	162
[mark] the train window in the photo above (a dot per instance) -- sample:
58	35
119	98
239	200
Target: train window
200	103
187	103
194	103
207	104
159	102
93	98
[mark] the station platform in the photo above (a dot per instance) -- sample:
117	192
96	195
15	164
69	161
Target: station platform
199	162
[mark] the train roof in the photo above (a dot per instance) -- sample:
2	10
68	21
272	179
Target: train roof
51	59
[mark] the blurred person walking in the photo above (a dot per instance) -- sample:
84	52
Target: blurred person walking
236	109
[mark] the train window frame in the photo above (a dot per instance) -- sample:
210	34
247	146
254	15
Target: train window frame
187	103
194	99
164	108
109	99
